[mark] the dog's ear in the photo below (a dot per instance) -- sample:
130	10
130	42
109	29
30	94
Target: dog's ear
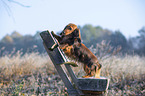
77	34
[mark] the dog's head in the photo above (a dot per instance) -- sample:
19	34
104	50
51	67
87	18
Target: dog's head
68	29
71	29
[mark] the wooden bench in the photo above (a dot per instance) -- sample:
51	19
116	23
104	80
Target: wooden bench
79	86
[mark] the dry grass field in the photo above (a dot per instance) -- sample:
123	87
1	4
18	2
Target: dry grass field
33	74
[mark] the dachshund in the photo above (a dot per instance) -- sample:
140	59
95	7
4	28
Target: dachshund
70	42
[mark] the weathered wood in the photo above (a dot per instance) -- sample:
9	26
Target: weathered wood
57	59
49	41
93	84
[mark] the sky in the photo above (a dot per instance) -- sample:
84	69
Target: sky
127	16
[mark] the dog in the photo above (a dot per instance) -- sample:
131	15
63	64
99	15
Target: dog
70	42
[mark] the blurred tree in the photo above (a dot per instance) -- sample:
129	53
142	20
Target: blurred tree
15	34
16	41
90	33
118	39
141	39
130	45
37	36
38	42
7	39
7	43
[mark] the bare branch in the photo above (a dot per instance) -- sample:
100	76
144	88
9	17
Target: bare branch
7	7
18	3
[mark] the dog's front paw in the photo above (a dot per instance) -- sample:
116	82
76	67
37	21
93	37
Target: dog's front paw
50	49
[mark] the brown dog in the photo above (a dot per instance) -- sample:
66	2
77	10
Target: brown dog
70	42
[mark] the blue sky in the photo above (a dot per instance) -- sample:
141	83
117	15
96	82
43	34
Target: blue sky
128	16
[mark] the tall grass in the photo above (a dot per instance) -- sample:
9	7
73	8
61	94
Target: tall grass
127	75
34	74
23	74
18	65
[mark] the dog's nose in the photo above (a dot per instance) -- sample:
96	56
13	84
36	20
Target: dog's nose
62	33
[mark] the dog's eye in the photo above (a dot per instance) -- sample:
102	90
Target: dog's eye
69	28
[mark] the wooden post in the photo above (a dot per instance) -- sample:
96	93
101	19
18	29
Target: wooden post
84	86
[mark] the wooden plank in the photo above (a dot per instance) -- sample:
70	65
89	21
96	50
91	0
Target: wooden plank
49	41
74	78
93	84
57	59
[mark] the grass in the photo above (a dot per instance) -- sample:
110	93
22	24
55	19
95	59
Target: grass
34	74
127	75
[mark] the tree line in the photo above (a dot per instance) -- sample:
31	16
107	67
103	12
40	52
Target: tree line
91	35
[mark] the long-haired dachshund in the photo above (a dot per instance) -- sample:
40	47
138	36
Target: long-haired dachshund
70	42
